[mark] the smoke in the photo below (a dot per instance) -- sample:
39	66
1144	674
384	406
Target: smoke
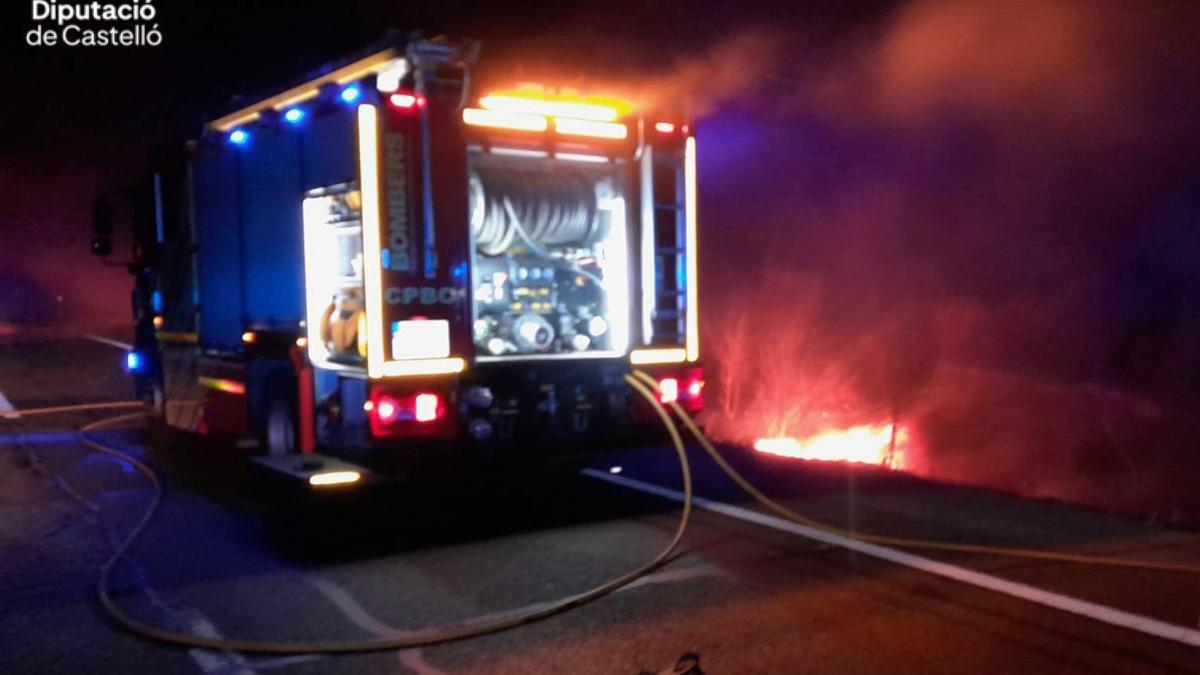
733	67
974	218
669	78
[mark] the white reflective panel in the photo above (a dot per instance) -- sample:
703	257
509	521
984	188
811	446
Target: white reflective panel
576	157
616	275
665	355
428	339
368	171
690	245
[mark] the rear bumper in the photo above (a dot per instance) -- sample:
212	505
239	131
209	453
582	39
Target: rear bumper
519	413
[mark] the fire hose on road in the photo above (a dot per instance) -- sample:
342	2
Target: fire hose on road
646	387
414	638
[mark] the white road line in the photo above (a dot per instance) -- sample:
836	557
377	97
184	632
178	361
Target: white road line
673	575
210	661
111	343
353	610
284	661
1065	603
409	658
6	408
413	659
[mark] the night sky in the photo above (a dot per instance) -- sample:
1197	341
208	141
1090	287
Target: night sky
977	216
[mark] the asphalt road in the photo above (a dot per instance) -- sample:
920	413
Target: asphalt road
233	555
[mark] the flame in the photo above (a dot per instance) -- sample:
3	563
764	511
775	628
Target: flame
867	444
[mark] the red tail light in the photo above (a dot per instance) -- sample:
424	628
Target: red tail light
386	409
406	101
418	414
684	386
668	390
427	407
691	396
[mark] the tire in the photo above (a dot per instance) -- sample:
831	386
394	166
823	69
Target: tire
279	432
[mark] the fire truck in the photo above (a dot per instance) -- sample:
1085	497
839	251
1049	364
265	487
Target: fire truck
378	268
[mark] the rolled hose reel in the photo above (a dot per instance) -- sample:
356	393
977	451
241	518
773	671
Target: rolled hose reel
546	209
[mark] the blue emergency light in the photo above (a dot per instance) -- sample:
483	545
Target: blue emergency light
293	115
239	136
350	93
134	362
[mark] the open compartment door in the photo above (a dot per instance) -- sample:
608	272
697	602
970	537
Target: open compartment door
333	271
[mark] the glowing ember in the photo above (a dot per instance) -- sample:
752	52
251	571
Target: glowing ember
864	445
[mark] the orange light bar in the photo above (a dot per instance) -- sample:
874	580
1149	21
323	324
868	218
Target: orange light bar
595	108
447	366
501	119
326	478
589	128
368	178
692	316
349	73
221	384
176	337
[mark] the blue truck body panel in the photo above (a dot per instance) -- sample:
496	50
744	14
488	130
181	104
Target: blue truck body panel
249	229
272	231
218	241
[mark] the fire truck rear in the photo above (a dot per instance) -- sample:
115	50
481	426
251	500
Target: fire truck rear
384	266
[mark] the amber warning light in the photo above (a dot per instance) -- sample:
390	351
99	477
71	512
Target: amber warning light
533	109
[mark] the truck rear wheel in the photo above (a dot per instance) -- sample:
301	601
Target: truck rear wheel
278	433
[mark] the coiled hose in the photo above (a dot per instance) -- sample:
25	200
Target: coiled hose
546	209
